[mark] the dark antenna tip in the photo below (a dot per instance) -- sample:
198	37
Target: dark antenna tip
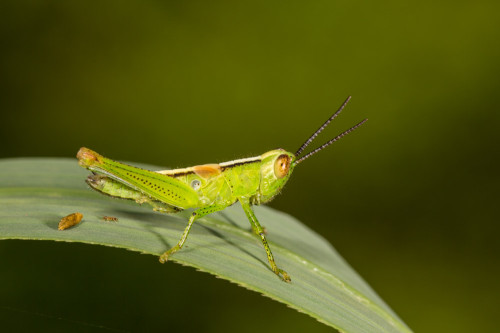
322	127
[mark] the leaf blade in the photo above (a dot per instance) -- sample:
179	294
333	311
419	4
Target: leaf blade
36	193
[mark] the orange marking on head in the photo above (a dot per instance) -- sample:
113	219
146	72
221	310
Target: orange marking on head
207	170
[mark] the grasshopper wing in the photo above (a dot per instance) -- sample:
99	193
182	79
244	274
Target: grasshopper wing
158	186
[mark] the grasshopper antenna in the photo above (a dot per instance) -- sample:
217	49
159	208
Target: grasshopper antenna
319	130
341	135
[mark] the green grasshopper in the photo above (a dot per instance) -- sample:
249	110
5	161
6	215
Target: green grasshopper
205	188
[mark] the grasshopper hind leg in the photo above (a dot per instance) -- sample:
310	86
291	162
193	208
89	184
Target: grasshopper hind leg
161	207
115	189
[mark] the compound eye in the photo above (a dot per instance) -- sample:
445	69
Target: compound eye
281	166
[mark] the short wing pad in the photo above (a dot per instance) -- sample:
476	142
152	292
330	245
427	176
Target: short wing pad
207	171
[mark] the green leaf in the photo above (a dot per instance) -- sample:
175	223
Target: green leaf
36	193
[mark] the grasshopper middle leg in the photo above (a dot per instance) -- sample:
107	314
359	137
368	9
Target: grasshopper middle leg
196	215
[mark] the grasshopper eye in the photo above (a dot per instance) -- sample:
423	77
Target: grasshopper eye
282	166
195	184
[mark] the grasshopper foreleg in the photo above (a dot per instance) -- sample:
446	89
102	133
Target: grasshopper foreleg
260	232
196	215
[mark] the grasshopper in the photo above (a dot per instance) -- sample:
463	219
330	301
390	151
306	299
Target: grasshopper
205	188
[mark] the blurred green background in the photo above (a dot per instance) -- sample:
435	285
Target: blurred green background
410	199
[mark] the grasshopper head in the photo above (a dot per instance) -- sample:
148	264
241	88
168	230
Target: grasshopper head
276	167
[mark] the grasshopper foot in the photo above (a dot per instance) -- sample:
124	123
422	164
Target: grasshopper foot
164	257
166	254
283	275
